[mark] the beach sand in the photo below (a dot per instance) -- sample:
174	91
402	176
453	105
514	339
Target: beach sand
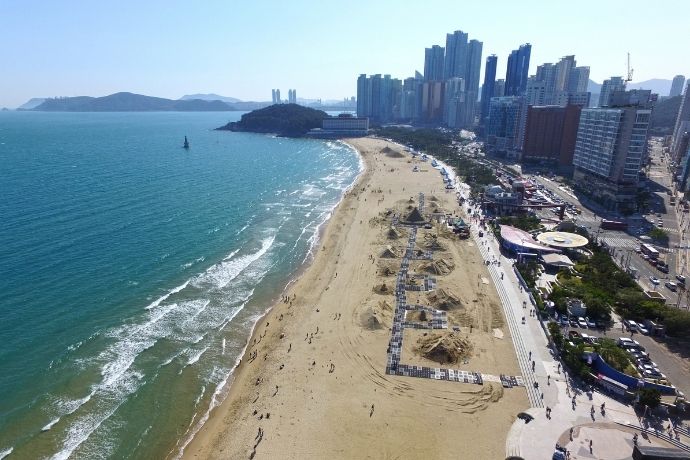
317	387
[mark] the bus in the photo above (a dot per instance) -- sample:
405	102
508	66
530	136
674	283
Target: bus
613	225
650	251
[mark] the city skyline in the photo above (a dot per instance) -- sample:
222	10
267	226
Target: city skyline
98	49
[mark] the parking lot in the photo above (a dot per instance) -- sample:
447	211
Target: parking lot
674	365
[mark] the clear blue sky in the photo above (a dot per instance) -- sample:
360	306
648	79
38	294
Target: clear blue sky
245	48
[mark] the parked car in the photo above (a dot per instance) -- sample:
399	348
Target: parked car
642	330
564	321
654	280
590	323
581	322
573	323
681	279
662	268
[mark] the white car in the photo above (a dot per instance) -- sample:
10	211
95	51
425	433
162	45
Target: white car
581	322
642	330
654	280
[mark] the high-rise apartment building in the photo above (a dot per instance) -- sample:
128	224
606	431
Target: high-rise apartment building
578	79
363	96
610	149
378	98
517	70
433	63
499	88
488	86
457	52
454	102
563	70
474	66
677	85
681	126
610	86
292	96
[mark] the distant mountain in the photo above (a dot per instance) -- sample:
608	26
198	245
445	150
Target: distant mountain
290	120
593	87
664	114
658	85
210	97
129	102
32	103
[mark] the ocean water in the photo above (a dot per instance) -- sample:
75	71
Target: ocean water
132	271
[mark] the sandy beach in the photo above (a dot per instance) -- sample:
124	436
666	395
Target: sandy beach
313	381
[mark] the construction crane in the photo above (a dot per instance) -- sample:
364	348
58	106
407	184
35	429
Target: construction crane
630	71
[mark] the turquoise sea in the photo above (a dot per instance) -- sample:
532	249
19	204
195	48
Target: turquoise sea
132	271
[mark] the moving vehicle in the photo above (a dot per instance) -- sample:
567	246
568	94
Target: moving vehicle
681	279
613	225
671	285
654	280
649	250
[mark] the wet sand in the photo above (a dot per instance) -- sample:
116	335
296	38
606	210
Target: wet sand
312	383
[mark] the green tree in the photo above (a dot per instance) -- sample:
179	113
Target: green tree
650	397
659	235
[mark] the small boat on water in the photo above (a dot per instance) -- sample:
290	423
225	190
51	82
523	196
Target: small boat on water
186	144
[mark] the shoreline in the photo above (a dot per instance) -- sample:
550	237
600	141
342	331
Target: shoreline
309	398
179	451
227	388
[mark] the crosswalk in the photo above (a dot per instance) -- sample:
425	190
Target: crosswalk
619	242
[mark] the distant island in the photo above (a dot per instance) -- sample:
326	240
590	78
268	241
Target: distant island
130	102
288	120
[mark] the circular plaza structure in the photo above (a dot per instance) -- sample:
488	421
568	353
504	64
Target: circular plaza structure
562	240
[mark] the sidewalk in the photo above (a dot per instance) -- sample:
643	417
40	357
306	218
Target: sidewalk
611	433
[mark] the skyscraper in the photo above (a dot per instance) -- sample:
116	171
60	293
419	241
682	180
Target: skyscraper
456	55
454	93
433	63
488	86
563	68
677	85
610	86
578	79
273	96
681	126
503	124
517	70
499	88
278	101
363	96
473	69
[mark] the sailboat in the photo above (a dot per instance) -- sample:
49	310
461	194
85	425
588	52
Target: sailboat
186	144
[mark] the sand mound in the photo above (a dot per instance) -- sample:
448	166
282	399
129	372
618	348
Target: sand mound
389	152
447	347
387	270
389	253
374	318
415	216
444	300
438	267
393	234
431	242
383	289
